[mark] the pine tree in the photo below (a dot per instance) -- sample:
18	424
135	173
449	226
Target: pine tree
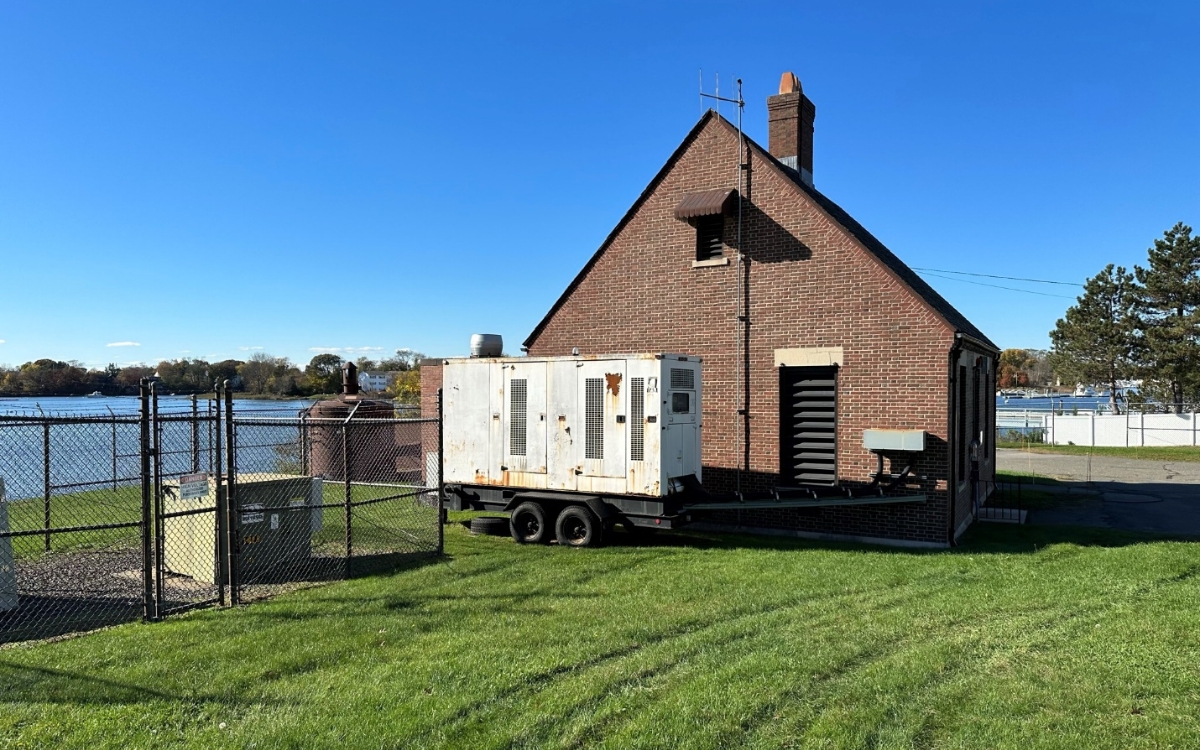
1096	341
1168	297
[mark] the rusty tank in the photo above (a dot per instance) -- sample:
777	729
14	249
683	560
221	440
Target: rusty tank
345	436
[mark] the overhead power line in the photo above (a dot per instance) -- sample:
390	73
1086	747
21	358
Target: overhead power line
993	276
997	286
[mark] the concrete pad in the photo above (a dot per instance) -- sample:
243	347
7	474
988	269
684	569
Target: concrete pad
1161	497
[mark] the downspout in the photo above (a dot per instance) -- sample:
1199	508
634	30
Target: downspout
951	434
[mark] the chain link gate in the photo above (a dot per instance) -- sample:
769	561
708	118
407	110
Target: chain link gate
184	482
110	519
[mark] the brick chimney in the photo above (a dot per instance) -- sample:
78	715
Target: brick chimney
790	117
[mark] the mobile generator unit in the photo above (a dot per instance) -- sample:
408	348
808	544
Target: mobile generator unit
572	445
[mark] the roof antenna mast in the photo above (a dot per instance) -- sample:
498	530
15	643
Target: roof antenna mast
742	329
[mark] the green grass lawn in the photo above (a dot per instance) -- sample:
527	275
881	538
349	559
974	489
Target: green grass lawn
1023	637
1149	453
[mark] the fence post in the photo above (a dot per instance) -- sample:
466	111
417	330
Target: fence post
441	479
114	447
1142	429
1193	428
304	457
160	523
147	555
46	479
221	520
1092	424
346	479
235	582
195	435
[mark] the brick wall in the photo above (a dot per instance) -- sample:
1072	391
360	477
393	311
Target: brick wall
431	381
810	284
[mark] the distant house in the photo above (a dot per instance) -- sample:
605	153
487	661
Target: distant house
375	381
811	332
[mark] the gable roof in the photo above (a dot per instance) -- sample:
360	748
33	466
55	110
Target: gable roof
887	258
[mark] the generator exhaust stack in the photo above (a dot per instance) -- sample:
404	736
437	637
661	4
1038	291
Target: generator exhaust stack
487	345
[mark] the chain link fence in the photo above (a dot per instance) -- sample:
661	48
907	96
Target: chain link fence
320	499
108	519
71	524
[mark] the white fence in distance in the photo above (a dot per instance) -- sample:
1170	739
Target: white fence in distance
1128	430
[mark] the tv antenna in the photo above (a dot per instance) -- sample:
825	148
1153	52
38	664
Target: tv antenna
742	327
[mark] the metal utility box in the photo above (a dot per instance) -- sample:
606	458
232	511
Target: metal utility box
8	566
278	514
894	440
624	424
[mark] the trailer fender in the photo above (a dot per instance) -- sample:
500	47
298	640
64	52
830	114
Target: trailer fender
603	510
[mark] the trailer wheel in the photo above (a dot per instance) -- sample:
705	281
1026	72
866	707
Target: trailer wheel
528	524
578	527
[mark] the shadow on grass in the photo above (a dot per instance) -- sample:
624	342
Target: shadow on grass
980	538
42	617
24	683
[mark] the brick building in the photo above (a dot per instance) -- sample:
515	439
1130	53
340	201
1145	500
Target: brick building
780	291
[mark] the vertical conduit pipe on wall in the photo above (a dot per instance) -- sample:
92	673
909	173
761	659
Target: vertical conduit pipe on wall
952	441
742	336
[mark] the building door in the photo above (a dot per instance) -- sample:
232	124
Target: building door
603	392
808	425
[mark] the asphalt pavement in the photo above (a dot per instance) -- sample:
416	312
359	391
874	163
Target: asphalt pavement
1160	497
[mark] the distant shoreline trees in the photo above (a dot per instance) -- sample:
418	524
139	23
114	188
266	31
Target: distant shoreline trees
261	375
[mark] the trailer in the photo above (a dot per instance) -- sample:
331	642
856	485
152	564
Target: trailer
572	446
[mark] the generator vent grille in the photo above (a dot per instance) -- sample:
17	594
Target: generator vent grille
637	419
683	380
518	393
594	418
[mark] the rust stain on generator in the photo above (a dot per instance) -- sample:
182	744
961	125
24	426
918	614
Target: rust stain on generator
613	379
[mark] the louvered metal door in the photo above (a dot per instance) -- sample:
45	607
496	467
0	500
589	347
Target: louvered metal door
525	417
603	395
808	425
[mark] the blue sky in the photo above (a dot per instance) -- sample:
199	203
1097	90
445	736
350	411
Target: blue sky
214	179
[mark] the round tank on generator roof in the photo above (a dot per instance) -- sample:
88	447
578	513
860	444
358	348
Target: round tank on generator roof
487	345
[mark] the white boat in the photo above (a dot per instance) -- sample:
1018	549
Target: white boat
95	394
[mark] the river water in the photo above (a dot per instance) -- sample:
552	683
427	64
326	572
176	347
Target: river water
122	405
92	455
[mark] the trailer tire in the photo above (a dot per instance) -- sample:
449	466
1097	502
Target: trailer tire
489	525
578	527
527	524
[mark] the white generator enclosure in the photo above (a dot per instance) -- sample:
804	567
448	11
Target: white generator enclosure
614	425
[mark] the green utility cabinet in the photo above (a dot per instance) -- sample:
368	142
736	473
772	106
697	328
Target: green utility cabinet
277	513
